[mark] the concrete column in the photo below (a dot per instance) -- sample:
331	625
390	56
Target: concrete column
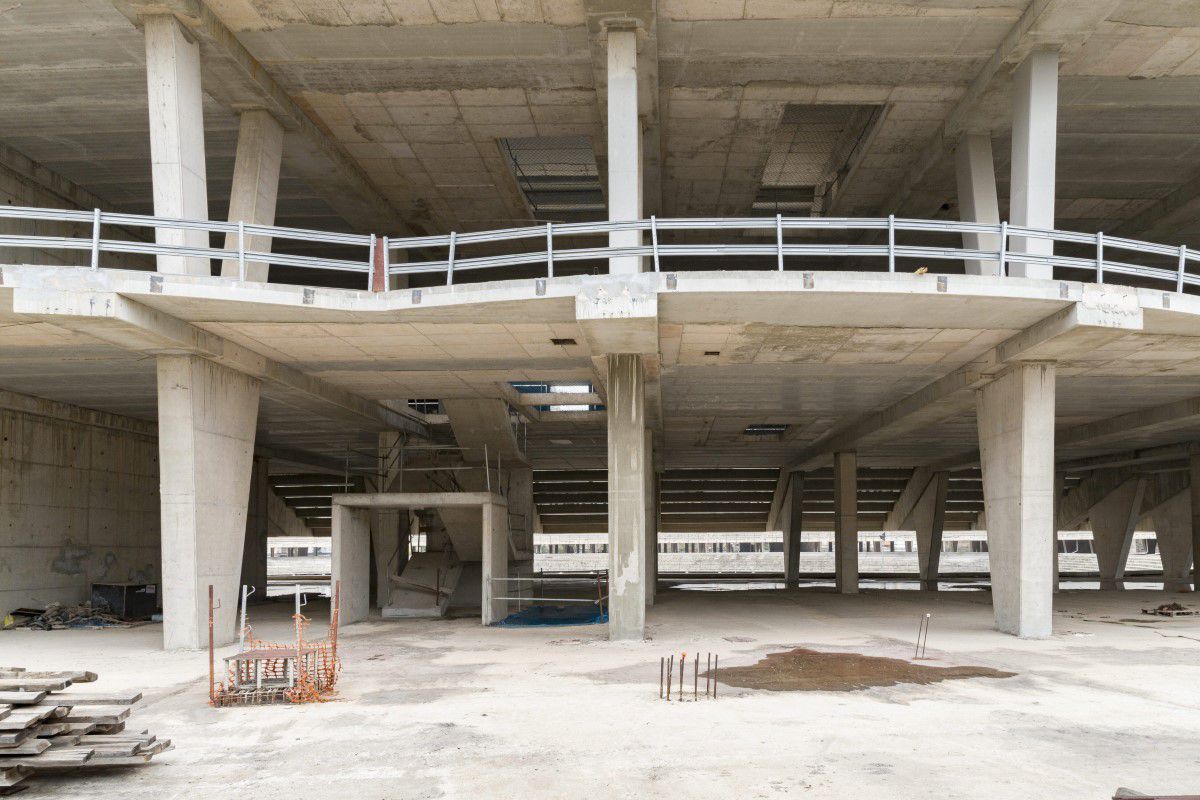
1016	446
845	521
1173	527
495	562
521	511
206	422
176	139
977	197
1059	490
651	560
255	187
254	553
388	524
352	561
1194	494
793	527
624	146
1114	520
626	496
1034	144
929	521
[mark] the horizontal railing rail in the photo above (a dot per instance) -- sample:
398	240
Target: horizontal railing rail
385	257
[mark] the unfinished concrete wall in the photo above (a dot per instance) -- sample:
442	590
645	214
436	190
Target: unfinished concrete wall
78	502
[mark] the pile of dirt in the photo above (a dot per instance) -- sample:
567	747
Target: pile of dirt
803	670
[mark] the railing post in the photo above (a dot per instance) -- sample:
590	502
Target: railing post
779	242
96	238
891	242
371	265
1003	248
654	240
450	263
1182	267
1099	257
385	259
549	249
241	250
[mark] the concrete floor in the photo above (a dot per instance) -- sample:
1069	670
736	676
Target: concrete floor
448	709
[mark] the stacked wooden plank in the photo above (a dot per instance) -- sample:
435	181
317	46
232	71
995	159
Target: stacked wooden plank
46	728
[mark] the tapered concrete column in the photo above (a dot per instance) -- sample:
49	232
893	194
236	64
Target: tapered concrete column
352	561
206	422
176	139
977	197
624	145
626	496
255	187
495	562
254	553
651	559
929	522
845	521
1173	528
1034	145
1114	520
793	527
1016	445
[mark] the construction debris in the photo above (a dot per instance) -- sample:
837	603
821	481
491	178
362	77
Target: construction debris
1170	610
56	616
45	729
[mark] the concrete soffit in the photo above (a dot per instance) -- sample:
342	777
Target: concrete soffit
109	317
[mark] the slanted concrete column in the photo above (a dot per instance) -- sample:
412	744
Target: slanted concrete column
929	522
626	496
352	561
254	554
1114	520
1034	145
495	562
206	421
176	139
845	521
1173	526
1194	496
388	525
651	553
255	187
793	527
977	197
1016	446
624	145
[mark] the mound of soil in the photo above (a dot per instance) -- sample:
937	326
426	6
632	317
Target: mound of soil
803	670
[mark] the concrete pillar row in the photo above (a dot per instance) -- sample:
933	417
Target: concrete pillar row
1015	414
624	144
1114	520
176	139
977	201
207	415
845	522
627	486
793	527
1034	147
255	187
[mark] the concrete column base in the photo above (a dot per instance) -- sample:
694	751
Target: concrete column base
206	423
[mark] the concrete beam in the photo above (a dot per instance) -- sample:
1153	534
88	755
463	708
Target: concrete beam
909	496
236	80
1159	419
483	427
127	323
1080	327
1051	24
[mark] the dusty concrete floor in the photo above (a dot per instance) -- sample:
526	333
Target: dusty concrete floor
432	709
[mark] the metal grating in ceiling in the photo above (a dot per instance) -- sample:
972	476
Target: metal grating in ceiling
557	175
811	151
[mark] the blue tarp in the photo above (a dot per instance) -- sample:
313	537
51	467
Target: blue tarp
581	614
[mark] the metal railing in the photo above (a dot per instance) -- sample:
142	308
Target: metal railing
381	252
533	583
